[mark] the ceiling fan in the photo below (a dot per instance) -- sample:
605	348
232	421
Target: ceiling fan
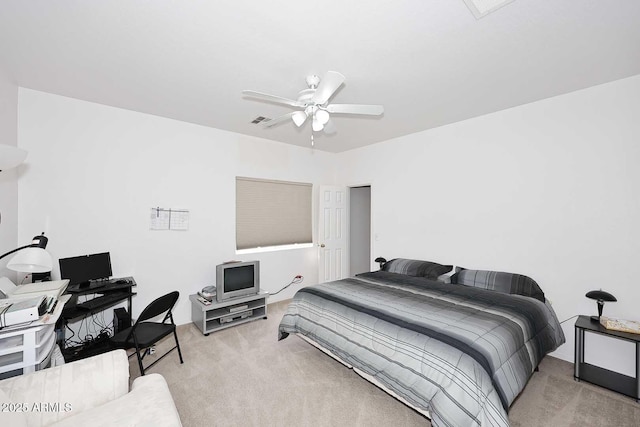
314	103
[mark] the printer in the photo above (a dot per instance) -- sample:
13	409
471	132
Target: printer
21	310
26	303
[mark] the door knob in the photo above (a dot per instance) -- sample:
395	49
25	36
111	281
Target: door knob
321	245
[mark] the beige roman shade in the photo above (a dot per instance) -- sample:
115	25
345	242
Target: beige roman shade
272	213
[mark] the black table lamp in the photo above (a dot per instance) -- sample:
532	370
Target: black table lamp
600	296
380	261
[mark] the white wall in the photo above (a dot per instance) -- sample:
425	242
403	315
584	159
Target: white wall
95	172
549	189
9	178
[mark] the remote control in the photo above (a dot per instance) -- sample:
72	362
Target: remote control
204	301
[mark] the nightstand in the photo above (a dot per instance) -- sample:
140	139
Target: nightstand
615	381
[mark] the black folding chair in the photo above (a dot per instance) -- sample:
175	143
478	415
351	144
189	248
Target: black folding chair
143	335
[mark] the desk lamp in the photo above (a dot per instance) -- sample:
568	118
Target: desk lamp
33	258
601	296
380	261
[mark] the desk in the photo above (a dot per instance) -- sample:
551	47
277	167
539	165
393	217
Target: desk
600	376
109	293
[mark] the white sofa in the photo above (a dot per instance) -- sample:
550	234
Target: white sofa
89	392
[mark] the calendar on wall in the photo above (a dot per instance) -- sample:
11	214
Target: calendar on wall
169	219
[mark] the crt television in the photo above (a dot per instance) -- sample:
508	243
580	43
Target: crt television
81	270
236	279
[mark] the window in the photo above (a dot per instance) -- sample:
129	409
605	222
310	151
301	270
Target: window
272	213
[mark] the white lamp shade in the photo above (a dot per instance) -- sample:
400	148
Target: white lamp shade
10	156
316	125
299	117
31	260
322	116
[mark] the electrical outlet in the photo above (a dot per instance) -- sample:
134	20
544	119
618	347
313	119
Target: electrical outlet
152	349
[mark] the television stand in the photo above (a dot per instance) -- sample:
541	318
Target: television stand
231	312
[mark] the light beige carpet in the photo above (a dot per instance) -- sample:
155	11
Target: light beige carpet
243	376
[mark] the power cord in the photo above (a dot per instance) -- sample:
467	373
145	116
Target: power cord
70	340
566	320
296	280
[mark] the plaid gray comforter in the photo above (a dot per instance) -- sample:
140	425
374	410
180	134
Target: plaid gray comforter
461	353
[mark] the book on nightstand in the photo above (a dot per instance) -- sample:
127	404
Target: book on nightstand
620	325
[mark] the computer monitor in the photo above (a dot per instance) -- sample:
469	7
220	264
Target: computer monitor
81	270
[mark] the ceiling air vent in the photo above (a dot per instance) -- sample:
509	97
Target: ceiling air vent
259	119
481	8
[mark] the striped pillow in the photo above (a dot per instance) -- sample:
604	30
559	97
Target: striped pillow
509	283
412	267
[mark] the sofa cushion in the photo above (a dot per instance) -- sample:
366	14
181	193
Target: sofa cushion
71	388
149	403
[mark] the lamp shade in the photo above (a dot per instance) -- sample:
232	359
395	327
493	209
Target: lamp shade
299	118
31	260
600	296
10	156
316	125
322	116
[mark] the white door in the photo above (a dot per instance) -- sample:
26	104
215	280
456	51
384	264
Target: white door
332	234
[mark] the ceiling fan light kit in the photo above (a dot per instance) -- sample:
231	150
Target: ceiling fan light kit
316	125
322	116
314	102
299	117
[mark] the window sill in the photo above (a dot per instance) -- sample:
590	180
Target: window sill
273	248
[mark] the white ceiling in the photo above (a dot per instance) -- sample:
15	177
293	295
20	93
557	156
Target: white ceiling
429	62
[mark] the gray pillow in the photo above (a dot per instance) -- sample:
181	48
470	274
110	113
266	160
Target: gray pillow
413	267
509	283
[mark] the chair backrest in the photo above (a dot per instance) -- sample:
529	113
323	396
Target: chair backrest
158	306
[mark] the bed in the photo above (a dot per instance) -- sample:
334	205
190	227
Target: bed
458	352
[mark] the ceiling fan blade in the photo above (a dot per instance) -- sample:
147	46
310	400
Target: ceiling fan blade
277	120
329	128
327	87
371	110
272	98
